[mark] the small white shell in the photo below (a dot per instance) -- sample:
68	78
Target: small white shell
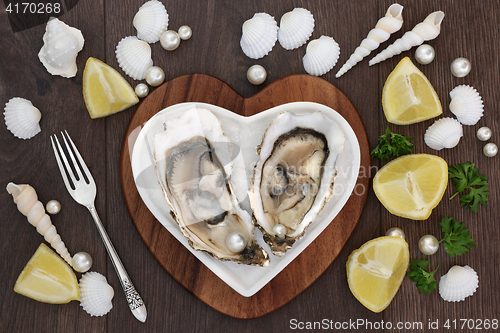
95	294
321	55
151	21
466	104
295	28
259	35
61	46
444	133
134	57
22	118
459	283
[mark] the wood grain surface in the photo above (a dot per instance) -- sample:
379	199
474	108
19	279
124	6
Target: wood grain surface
470	29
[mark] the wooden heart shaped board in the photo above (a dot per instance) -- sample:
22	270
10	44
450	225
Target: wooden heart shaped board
185	268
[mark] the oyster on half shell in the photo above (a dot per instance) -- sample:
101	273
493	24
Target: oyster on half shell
198	189
293	178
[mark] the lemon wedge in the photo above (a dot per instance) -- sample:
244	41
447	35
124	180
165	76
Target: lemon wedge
412	185
105	91
48	278
376	270
408	97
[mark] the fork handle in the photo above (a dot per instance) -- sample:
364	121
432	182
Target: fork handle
134	300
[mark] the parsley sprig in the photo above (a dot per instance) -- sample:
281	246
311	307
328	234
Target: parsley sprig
457	239
391	145
419	274
471	186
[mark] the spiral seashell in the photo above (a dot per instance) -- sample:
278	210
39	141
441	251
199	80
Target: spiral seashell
22	118
424	31
61	46
387	25
134	57
321	55
458	284
95	294
466	104
260	34
27	203
151	21
295	28
444	133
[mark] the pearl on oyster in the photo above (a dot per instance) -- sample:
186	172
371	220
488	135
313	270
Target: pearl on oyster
170	40
428	244
490	149
236	242
185	32
395	232
155	76
82	261
141	90
460	67
425	54
484	133
53	207
256	74
279	230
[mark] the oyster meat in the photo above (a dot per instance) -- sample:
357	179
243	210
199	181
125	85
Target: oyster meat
293	178
198	189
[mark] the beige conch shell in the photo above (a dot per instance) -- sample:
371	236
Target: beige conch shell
387	25
27	203
424	31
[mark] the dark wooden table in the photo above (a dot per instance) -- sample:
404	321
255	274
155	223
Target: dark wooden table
470	29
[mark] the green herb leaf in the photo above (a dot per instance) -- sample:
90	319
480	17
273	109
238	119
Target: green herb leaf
419	274
471	186
457	239
391	145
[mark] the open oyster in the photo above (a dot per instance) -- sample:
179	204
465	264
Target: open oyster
293	178
198	189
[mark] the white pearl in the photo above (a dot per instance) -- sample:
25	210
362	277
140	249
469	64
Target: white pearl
256	74
53	207
428	244
425	54
185	32
279	230
141	90
395	232
82	261
490	149
170	40
155	76
484	133
236	242
460	67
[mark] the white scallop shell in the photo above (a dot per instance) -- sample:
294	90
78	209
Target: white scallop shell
259	35
22	118
444	133
387	25
134	57
61	46
459	283
95	294
295	28
321	55
424	31
466	104
151	21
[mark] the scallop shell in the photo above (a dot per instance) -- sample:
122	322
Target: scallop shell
95	294
22	118
61	46
259	35
151	21
424	31
444	133
466	104
134	57
321	55
459	283
295	28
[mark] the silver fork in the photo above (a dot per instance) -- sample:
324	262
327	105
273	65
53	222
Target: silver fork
84	193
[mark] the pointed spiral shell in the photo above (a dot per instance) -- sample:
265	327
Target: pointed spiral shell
387	25
424	31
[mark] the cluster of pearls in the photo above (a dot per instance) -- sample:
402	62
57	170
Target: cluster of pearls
489	149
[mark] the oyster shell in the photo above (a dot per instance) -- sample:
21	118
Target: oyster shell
293	178
195	179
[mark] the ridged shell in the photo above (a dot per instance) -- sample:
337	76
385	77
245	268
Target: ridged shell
151	21
444	133
61	46
459	283
95	294
295	28
259	35
134	57
321	55
22	118
466	104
